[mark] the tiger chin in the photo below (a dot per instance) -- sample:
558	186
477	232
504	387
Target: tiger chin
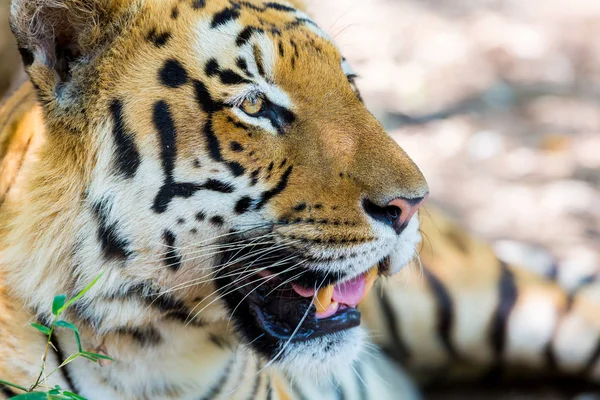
307	322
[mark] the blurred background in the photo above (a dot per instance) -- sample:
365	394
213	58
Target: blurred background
498	101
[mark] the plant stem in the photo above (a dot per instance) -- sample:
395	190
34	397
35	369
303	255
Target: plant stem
39	378
6	383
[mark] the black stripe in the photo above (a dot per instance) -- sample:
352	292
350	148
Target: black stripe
243	65
7	391
507	298
212	143
228	77
236	168
112	244
173	74
214	150
341	395
259	62
204	98
217	220
147	292
215	390
164	124
299	393
279	7
300	21
246	34
212	67
185	190
218	341
172	259
243	205
64	371
163	121
126	153
593	360
254	176
145	336
397	348
16	174
198	4
159	39
445	311
550	357
257	382
280	187
218	186
269	388
224	16
236	147
171	190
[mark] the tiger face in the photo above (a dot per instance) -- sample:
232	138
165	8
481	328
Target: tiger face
228	166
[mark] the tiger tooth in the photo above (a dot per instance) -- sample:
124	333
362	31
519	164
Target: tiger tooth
370	278
323	299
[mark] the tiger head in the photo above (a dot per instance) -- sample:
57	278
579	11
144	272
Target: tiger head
214	159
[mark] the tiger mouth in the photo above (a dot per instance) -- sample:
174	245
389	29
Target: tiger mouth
275	306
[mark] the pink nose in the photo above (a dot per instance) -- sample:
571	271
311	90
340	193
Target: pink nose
397	213
406	208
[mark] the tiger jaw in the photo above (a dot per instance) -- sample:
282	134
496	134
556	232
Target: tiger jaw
278	300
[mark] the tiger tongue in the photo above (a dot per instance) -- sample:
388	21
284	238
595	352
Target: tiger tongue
350	293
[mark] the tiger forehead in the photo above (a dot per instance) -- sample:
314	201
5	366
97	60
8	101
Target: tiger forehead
223	28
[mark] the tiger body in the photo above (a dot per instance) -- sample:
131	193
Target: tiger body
136	152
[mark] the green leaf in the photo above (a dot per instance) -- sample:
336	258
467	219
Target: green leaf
96	355
44	329
7	383
65	324
58	396
58	304
91	358
72	395
68	325
69	359
80	294
54	391
31	396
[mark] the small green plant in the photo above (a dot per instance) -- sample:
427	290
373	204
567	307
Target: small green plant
38	390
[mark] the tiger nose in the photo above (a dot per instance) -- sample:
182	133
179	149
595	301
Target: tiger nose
397	213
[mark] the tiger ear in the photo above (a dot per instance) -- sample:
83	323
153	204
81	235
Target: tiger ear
58	39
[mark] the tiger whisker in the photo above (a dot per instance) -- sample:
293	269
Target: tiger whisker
196	244
268	294
250	273
231	291
206	256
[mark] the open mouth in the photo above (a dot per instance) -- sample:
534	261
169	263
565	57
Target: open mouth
276	305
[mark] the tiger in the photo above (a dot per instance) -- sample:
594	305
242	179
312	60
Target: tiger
250	223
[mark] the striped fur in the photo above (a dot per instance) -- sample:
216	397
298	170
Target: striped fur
130	154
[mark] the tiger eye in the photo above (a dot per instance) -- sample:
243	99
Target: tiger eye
253	106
